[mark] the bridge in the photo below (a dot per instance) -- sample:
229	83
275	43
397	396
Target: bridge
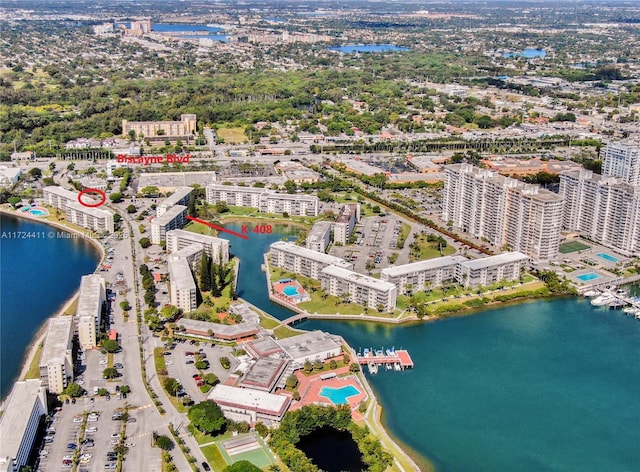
294	319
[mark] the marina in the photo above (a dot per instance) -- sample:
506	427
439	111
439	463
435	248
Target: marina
616	299
389	358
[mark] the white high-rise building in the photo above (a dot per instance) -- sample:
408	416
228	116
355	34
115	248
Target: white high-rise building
90	302
603	209
183	286
56	362
622	160
506	212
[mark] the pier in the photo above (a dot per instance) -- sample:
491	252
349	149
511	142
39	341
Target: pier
400	358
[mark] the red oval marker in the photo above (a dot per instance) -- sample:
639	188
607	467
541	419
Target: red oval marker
92	190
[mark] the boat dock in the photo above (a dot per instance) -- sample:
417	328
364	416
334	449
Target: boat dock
398	360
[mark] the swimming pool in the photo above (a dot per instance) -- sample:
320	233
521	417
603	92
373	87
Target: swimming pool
607	257
588	276
290	290
39	211
338	396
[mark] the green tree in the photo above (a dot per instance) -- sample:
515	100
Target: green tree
164	442
125	389
110	345
191	209
222	207
171	385
292	382
207	417
225	362
145	242
211	378
290	186
150	191
36	173
205	272
115	197
169	312
110	373
73	390
242	466
131	209
354	367
201	365
125	305
308	367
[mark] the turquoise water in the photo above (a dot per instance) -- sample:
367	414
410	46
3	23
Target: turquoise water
38	212
588	276
607	257
31	266
338	396
290	290
545	385
368	48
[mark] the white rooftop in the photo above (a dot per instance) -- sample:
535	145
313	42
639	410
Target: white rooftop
171	214
95	212
62	192
310	254
249	399
196	237
308	344
422	266
15	417
89	300
188	251
358	279
59	333
180	274
236	188
178	195
492	261
319	229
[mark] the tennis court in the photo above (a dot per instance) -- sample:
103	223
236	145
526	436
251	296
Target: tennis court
573	246
246	448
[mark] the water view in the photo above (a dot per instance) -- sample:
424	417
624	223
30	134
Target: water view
351	48
527	53
344	456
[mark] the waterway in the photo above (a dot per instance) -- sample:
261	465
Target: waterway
544	385
37	275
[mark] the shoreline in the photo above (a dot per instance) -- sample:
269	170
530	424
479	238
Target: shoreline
38	338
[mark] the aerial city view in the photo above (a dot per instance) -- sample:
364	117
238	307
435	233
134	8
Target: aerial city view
333	236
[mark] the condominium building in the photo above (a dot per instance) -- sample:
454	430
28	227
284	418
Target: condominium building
504	211
344	224
603	209
418	276
173	218
266	201
91	305
488	270
23	409
185	128
303	261
179	197
95	219
216	248
319	236
361	289
182	285
622	160
192	253
56	361
58	197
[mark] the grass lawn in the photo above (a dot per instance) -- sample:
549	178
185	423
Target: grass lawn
405	229
214	457
34	367
282	332
430	250
199	228
268	323
232	135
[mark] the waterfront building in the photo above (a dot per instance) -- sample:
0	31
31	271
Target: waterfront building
303	261
191	253
183	288
91	306
56	361
319	236
160	131
264	374
603	209
250	405
311	346
179	197
95	219
488	270
622	160
173	218
265	201
418	276
361	289
504	211
216	248
344	224
58	197
22	411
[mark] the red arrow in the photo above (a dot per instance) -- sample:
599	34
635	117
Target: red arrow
219	228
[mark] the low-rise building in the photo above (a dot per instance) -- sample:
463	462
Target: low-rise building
361	289
170	181
421	275
488	270
303	261
297	172
9	175
56	361
179	197
173	218
250	405
264	374
266	201
183	288
58	197
312	346
91	306
222	332
185	129
95	219
216	248
23	409
319	236
344	224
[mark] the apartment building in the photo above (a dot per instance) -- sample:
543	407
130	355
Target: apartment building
172	218
603	209
58	197
419	276
91	304
361	289
182	285
216	248
504	211
23	409
95	219
488	270
56	361
303	261
345	222
180	197
265	201
319	236
622	160
185	128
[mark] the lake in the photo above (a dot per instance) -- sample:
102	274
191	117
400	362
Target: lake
527	53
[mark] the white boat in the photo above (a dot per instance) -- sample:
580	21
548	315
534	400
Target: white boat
631	310
602	300
592	293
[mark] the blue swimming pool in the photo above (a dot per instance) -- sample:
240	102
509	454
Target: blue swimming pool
607	257
338	396
290	290
38	212
588	276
